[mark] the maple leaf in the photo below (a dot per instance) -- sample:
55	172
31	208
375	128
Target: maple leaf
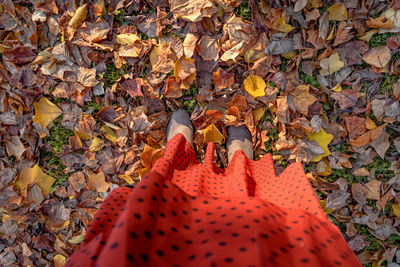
45	112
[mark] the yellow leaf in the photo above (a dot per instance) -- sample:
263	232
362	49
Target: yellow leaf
281	25
109	134
98	182
35	175
396	210
255	86
331	65
97	144
79	16
252	55
315	3
323	139
323	205
45	112
289	55
212	134
370	124
368	35
127	38
77	239
337	12
258	114
337	88
323	168
59	260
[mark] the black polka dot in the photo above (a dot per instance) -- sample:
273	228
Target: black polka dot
129	257
208	254
133	235
192	257
115	245
144	257
175	247
94	257
242	249
305	260
140	199
160	253
147	233
228	259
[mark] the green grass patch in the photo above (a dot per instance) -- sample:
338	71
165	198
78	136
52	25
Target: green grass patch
191	103
374	245
346	174
381	167
92	105
112	74
379	39
307	79
119	16
243	10
50	159
387	84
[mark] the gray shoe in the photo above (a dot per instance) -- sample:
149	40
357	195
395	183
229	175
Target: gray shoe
180	123
239	138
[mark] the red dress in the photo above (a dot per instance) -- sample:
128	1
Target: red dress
186	213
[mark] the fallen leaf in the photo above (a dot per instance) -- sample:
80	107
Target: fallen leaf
337	12
79	16
378	56
185	69
223	79
299	5
302	98
380	23
59	260
323	139
374	189
331	65
396	210
355	126
255	86
127	38
45	112
281	25
35	175
192	10
97	144
97	181
208	48
189	44
77	239
212	134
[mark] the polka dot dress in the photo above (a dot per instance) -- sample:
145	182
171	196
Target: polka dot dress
186	213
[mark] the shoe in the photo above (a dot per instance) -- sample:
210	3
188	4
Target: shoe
180	123
239	138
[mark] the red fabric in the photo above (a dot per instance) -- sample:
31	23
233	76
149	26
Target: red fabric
184	213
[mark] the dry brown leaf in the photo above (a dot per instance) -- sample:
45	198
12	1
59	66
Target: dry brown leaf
223	79
302	98
97	181
380	23
208	48
378	56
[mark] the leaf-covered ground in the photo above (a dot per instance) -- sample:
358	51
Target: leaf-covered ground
87	87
